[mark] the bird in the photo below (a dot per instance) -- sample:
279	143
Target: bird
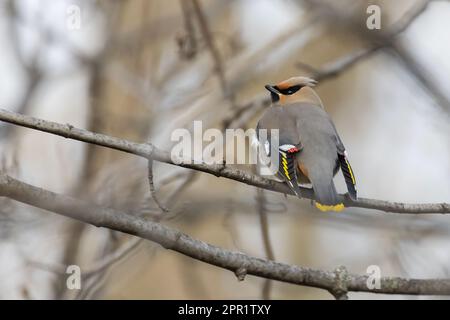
310	150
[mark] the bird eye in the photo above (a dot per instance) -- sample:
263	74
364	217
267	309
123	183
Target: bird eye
291	90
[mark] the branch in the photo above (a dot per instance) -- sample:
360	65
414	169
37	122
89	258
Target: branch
386	39
218	63
100	266
338	282
378	40
149	151
335	68
187	41
152	187
264	225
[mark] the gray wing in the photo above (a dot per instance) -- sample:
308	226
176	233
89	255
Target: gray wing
324	150
279	118
288	143
325	127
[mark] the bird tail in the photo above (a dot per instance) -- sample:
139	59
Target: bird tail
326	196
347	171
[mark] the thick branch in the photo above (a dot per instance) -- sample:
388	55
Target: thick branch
149	151
175	240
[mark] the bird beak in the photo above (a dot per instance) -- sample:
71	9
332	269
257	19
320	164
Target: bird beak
272	89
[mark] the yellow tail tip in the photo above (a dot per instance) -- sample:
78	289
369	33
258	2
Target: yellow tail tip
337	208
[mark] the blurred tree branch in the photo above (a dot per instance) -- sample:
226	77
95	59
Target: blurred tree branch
261	201
149	151
338	282
382	41
378	40
215	54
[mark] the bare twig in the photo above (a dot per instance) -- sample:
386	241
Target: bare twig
31	68
340	65
381	40
187	42
100	266
152	187
337	283
149	151
385	40
113	257
241	114
207	36
264	224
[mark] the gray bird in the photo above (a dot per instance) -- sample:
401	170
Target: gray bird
310	149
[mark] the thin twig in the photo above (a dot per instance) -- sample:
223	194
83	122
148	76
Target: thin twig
152	187
382	40
113	257
207	36
99	266
338	66
31	68
187	42
264	224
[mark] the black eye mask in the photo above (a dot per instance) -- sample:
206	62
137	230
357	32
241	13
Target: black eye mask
274	97
290	90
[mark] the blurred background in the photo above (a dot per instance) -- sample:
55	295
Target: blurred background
138	69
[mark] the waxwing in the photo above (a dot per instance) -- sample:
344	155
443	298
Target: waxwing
310	149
